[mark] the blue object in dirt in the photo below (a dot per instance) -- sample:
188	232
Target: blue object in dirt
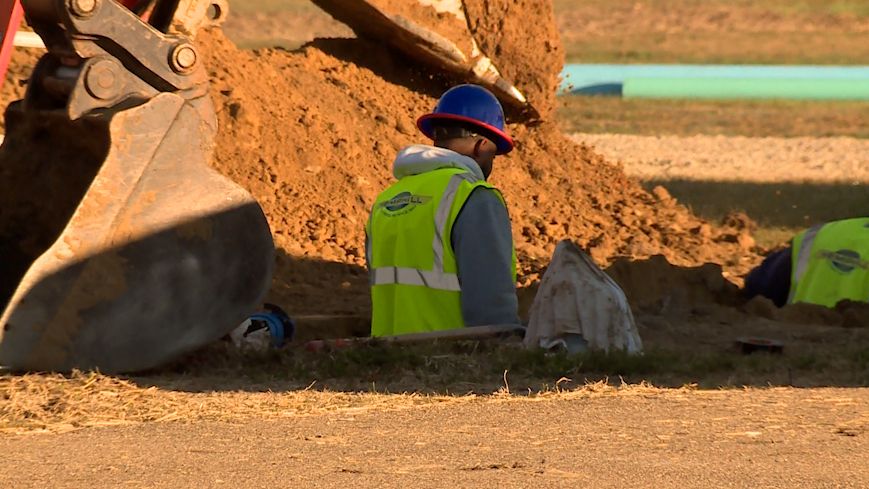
281	327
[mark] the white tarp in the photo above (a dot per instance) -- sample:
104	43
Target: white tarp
577	299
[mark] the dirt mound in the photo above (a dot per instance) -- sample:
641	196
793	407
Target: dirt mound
848	314
312	134
657	286
522	39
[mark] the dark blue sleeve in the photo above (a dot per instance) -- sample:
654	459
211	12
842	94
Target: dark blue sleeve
772	278
483	245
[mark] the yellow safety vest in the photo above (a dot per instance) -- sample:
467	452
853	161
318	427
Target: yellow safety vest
413	271
830	263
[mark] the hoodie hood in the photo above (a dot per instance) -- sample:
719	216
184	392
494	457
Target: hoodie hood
422	158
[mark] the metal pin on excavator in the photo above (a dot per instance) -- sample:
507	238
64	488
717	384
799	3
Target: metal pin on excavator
149	253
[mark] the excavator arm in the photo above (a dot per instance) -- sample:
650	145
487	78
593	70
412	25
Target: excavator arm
122	248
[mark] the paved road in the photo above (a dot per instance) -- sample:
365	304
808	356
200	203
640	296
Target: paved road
754	438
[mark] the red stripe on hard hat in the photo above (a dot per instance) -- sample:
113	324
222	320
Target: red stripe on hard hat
504	146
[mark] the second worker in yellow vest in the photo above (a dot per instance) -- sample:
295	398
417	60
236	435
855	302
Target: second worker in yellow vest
823	265
438	243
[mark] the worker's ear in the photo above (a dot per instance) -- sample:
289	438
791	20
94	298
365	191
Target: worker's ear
485	148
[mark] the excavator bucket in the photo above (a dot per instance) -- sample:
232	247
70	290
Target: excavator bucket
456	53
121	248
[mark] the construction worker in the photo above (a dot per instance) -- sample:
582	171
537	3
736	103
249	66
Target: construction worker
438	242
823	265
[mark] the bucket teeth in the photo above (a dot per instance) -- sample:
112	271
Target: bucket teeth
427	46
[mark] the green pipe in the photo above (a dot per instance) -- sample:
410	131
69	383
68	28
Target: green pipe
741	88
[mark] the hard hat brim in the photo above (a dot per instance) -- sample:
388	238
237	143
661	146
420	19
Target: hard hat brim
503	142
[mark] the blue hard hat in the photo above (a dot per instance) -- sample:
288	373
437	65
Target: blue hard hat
474	105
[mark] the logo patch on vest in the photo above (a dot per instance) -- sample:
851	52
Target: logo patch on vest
845	261
403	203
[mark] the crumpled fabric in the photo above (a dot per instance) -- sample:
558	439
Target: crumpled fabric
576	299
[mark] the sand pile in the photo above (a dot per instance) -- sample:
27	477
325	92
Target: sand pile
522	38
312	134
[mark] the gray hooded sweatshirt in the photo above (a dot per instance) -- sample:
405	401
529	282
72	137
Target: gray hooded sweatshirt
481	239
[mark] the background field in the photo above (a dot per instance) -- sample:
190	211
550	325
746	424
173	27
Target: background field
716	31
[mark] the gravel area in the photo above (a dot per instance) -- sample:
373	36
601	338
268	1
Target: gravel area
736	158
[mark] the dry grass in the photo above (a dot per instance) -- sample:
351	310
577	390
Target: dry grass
41	403
53	403
826	48
614	115
226	385
715	31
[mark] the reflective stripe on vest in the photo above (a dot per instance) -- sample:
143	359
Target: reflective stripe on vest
411	276
441	217
803	257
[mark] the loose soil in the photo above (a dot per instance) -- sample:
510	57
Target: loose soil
520	36
287	29
312	133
